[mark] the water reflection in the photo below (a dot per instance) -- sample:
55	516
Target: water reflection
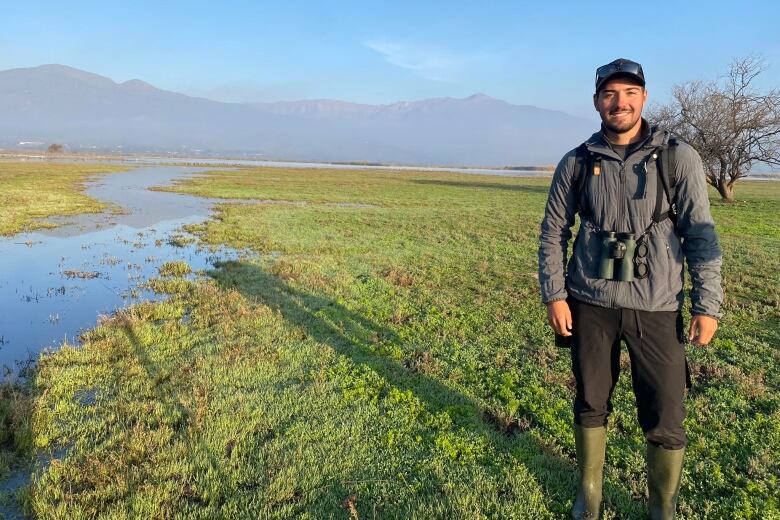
55	283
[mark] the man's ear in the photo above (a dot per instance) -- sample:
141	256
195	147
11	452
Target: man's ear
596	101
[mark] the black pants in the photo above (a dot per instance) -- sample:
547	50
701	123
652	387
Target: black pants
658	369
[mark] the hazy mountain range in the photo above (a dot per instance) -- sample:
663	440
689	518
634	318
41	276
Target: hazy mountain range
59	104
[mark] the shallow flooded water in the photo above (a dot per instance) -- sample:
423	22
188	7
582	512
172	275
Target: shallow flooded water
56	283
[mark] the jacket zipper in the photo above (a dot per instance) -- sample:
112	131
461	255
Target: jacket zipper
669	264
621	202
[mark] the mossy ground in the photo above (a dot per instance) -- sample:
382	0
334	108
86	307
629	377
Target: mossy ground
385	355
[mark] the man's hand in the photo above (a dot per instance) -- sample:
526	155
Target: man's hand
559	317
702	329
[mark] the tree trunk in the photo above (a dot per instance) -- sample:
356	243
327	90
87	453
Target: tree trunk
726	190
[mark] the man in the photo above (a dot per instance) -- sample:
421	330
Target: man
622	287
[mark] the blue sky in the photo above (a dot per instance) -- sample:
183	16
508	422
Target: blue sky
538	53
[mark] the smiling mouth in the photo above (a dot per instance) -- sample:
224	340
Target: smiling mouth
622	113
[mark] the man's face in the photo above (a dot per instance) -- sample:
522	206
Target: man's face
620	103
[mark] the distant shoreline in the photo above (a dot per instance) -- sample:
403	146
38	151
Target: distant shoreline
509	171
42	154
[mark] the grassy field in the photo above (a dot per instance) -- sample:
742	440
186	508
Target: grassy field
32	191
384	354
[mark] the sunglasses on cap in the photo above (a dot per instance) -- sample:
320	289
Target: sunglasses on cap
621	66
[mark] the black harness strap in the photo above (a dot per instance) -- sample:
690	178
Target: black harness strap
661	188
582	166
667	174
671	177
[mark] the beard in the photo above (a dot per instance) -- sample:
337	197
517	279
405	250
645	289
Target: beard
620	127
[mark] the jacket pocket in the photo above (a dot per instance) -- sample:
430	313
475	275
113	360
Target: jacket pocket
674	269
664	261
658	262
583	282
587	252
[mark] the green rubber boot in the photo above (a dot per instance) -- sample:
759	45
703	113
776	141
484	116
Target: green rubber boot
664	472
591	444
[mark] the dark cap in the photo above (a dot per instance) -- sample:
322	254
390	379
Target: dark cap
621	67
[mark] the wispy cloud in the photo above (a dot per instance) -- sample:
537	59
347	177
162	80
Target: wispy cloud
429	63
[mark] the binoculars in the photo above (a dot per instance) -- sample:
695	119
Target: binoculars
617	256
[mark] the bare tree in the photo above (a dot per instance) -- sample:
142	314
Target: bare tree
730	122
54	148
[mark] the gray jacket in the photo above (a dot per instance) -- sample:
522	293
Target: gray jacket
622	198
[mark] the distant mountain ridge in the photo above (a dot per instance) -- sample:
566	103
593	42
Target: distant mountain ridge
57	103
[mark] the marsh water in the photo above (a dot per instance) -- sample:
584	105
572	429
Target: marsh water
56	283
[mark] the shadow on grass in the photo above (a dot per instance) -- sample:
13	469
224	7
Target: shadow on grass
483	185
16	403
176	413
352	335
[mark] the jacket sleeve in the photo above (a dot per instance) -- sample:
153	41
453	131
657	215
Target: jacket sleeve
556	232
697	231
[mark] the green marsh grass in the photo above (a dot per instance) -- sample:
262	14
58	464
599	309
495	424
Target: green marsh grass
29	193
32	191
385	355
